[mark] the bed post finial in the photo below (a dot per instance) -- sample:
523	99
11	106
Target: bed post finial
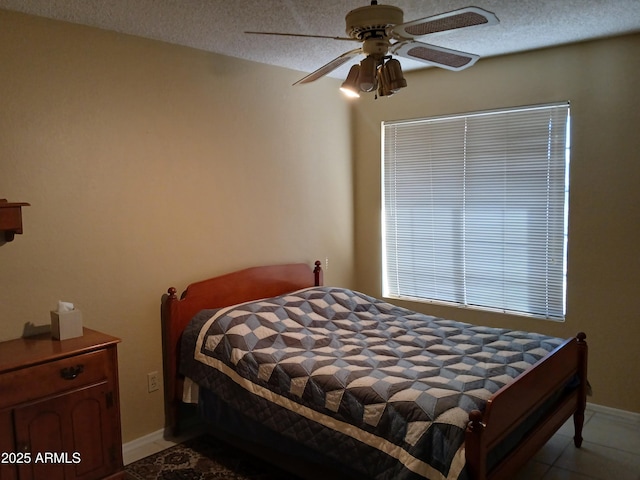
475	421
317	273
476	446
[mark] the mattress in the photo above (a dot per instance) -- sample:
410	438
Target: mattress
379	387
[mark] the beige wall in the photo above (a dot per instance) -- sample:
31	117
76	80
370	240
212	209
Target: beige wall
148	166
600	79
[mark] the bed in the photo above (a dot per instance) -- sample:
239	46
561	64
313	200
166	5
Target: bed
370	389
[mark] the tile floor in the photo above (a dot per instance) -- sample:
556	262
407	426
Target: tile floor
610	451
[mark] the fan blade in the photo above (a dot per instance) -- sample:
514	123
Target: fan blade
433	55
330	67
302	35
465	17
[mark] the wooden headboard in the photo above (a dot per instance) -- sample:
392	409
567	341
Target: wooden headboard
236	287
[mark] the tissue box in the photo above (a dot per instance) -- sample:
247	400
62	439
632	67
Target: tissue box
66	324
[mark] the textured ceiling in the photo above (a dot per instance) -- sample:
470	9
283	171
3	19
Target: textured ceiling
218	25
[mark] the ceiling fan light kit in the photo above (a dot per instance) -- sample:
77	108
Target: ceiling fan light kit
391	77
368	74
372	74
350	86
383	34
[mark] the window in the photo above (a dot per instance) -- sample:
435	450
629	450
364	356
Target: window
475	210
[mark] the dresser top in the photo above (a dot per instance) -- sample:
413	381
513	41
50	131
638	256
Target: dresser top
24	352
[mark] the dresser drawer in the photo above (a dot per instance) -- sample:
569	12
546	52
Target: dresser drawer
34	382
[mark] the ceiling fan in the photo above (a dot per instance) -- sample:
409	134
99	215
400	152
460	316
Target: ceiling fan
383	33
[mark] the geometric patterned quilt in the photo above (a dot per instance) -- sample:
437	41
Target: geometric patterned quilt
398	382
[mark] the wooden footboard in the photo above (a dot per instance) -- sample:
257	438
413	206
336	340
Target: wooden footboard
546	386
237	287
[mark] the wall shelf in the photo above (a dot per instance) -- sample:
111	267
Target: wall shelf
10	219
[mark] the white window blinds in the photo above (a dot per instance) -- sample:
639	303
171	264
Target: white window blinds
475	209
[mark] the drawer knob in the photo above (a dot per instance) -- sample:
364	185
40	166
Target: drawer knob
69	373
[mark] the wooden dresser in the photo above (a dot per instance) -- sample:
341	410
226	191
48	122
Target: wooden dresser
59	408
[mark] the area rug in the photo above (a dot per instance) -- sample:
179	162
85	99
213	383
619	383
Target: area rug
203	458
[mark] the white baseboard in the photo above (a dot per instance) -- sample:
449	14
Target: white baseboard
143	441
154	442
623	414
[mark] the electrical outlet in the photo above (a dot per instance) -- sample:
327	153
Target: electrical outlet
152	381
